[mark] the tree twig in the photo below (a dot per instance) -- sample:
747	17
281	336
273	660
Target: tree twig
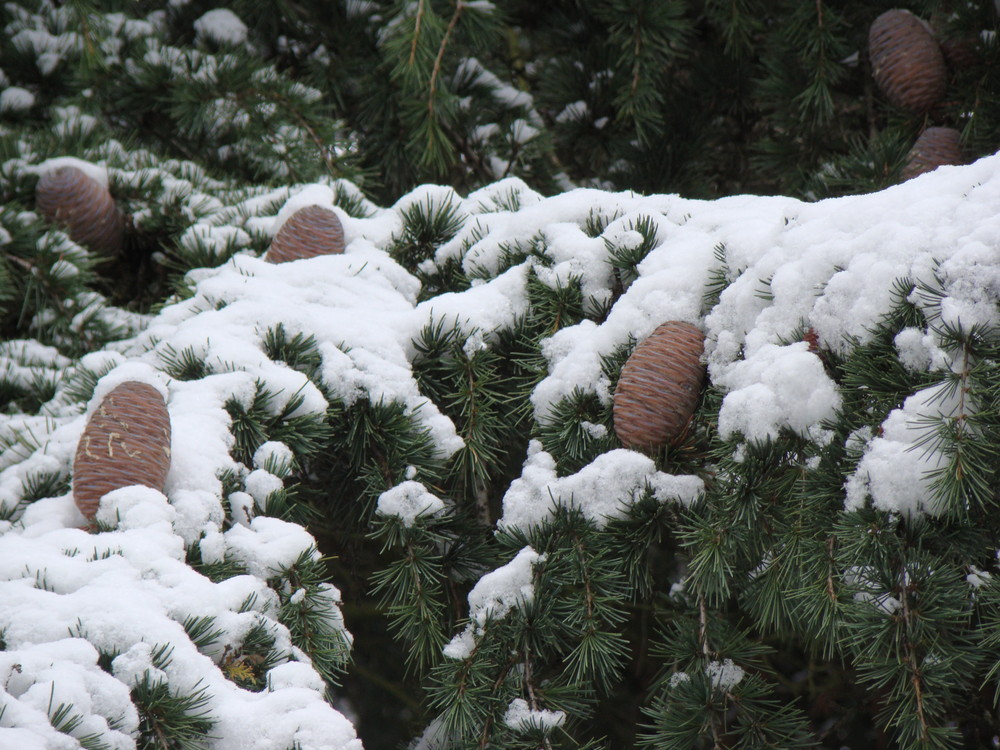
432	84
911	657
416	33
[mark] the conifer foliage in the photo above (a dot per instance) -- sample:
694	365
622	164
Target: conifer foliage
398	508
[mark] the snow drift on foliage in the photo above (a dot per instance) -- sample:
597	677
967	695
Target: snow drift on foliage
778	267
601	491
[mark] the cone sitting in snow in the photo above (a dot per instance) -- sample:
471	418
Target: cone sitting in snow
126	442
906	61
310	231
659	387
68	196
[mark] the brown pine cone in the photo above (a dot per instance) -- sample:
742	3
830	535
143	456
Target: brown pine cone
659	387
83	207
126	442
906	61
959	50
960	53
310	231
934	147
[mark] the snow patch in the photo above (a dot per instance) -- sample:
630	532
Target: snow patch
221	25
603	490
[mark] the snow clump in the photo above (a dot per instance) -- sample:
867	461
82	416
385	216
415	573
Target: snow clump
493	597
221	25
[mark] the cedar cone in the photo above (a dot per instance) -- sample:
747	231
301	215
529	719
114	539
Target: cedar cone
310	231
934	147
73	200
959	50
126	442
906	61
659	387
959	53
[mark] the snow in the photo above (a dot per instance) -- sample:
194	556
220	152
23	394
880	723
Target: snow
485	309
474	70
16	99
724	675
311	195
215	238
782	386
520	717
409	501
897	468
275	457
363	356
918	351
135	507
678	678
978	577
602	490
493	597
261	484
60	581
137	372
577	110
97	173
24	360
72	121
268	545
221	25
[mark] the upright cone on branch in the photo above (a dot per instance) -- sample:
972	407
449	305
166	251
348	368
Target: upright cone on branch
906	61
310	231
934	148
659	387
126	442
77	202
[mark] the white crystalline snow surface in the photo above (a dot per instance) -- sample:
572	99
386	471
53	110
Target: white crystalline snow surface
603	490
831	267
896	471
358	306
408	500
520	716
16	99
493	597
724	675
221	25
126	592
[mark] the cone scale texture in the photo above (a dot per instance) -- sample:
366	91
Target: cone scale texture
935	147
906	61
659	387
126	442
310	231
73	200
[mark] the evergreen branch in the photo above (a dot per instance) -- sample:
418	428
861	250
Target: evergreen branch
532	697
322	147
911	656
703	627
436	71
410	589
637	53
708	654
416	32
831	590
485	737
